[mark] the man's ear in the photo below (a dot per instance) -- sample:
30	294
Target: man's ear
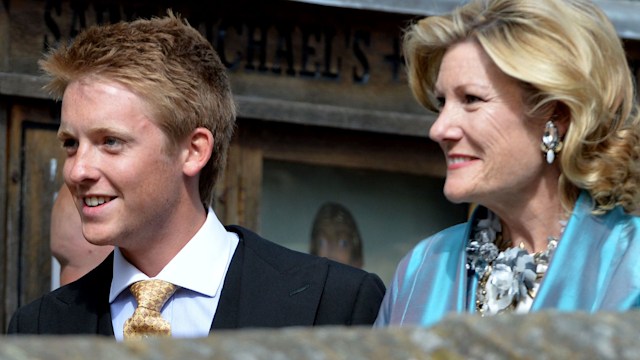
197	151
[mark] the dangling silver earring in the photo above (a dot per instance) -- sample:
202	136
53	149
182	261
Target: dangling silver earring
551	143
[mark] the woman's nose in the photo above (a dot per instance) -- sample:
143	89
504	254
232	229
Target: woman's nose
446	127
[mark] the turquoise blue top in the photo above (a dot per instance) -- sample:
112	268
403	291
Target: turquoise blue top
596	266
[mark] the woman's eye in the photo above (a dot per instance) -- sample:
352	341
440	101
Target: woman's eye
440	102
470	99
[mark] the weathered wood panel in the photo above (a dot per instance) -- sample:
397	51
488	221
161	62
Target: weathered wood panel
4	112
35	159
238	190
354	149
4	37
42	160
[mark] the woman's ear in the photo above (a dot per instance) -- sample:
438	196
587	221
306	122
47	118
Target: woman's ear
197	150
561	118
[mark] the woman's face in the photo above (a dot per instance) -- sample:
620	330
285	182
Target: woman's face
491	147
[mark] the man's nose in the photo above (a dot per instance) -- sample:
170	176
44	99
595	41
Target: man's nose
82	166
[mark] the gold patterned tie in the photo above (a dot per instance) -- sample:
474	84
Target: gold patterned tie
146	319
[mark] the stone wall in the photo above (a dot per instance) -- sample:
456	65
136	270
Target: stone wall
546	335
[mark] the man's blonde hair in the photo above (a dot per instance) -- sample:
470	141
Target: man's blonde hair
170	65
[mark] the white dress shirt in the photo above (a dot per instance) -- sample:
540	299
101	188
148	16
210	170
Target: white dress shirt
198	269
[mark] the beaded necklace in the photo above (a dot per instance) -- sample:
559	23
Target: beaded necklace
508	276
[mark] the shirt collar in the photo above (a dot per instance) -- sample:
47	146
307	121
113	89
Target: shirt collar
200	266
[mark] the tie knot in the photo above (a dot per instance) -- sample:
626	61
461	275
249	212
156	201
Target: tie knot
152	294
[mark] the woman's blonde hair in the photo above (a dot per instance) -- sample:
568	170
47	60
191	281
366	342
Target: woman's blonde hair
567	54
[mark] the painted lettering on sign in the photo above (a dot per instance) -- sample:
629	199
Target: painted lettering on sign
305	51
328	52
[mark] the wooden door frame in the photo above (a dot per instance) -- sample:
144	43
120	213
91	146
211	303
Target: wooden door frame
239	191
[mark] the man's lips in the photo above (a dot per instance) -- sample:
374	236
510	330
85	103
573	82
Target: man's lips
92	201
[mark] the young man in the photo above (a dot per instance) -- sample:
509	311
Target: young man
147	116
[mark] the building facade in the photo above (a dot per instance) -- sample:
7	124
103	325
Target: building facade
324	116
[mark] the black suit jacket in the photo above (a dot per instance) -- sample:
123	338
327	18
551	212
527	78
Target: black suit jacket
266	285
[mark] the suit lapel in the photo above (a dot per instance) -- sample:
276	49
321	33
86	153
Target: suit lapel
269	286
226	316
84	304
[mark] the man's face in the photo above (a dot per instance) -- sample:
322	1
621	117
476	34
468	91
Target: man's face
124	182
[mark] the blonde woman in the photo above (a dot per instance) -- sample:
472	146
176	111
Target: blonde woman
537	121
